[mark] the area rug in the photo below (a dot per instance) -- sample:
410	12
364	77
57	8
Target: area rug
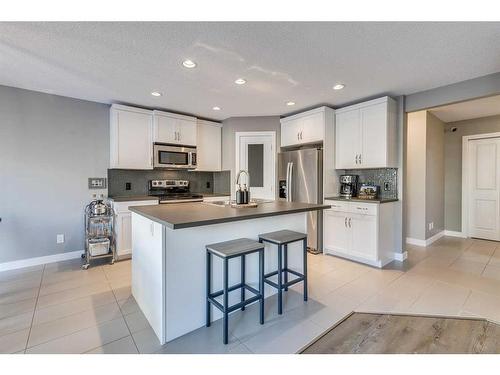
390	334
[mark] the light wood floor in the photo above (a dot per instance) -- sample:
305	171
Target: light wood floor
376	333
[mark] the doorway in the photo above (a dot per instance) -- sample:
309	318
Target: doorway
481	186
255	153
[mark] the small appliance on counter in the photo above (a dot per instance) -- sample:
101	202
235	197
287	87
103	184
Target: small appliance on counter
348	185
242	195
99	231
369	191
173	191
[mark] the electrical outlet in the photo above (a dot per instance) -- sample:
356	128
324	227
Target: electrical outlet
431	225
208	184
387	186
128	186
60	238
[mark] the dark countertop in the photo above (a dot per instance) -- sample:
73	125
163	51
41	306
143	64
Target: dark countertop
381	200
131	198
187	215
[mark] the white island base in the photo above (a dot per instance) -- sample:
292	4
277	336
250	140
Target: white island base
169	269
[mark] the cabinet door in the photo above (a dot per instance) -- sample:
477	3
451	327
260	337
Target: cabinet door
130	139
165	129
337	236
209	147
364	236
347	139
186	132
123	234
374	136
290	133
312	128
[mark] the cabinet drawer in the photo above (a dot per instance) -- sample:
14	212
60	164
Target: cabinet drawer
338	206
364	208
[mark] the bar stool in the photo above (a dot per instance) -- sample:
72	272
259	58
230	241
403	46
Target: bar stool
282	238
227	250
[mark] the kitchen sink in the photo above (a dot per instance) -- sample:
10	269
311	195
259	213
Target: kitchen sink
227	203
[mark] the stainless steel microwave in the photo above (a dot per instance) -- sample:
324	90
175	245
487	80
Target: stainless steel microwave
174	157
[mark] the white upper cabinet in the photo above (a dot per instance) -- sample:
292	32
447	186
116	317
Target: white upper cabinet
305	127
131	138
366	135
209	146
174	128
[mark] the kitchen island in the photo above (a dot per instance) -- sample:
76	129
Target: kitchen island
168	266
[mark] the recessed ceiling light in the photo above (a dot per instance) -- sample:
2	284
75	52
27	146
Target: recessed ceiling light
339	86
156	93
189	64
216	108
290	103
240	81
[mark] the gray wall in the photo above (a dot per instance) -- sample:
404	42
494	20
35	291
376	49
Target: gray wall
434	177
454	93
241	124
49	146
453	164
415	175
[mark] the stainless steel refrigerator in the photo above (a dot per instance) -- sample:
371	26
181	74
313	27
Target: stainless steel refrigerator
300	179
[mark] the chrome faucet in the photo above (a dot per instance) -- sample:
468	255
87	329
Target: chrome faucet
239	175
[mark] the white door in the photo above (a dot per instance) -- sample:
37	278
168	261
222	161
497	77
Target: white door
373	121
186	132
336	232
364	235
165	129
484	188
348	140
256	153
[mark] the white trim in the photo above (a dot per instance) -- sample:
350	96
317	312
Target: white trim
427	242
401	257
465	176
452	233
16	264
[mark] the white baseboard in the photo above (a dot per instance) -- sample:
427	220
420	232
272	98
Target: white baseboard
453	233
427	242
16	264
401	257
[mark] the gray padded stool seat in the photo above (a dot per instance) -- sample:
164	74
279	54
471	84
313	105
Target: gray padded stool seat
237	248
282	238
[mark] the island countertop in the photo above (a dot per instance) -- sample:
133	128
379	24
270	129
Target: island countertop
187	215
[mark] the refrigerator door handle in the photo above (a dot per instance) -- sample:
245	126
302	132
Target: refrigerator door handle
287	192
289	182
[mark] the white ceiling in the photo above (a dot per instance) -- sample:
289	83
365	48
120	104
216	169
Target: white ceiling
300	61
477	108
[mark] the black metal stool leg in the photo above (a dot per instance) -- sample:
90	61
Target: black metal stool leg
285	266
209	288
242	280
261	285
305	269
226	303
280	283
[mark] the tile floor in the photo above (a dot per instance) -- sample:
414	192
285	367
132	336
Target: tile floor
58	308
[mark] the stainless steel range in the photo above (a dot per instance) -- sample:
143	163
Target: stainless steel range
173	191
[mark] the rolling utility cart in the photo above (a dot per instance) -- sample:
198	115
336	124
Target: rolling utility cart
99	232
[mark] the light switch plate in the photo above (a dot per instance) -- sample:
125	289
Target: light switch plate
60	238
97	183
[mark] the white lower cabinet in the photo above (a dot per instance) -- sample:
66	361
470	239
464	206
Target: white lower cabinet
123	226
352	230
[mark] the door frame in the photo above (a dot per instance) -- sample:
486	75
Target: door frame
272	134
465	176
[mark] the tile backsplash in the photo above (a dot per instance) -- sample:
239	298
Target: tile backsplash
117	179
379	177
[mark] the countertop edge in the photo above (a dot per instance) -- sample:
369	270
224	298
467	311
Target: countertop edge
357	200
224	220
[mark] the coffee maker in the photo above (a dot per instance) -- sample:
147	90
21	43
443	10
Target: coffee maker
348	185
